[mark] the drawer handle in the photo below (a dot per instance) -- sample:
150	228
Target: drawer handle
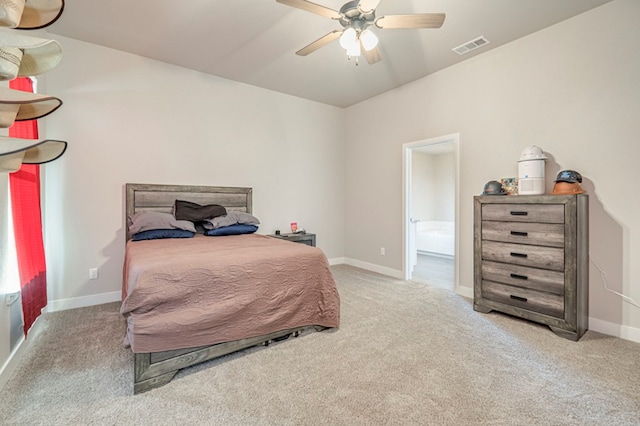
520	233
519	213
518	298
518	254
520	277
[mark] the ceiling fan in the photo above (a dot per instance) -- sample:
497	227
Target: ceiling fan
356	17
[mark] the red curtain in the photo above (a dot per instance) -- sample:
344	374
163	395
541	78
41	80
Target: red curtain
27	222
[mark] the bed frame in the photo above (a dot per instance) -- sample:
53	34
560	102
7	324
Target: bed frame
152	370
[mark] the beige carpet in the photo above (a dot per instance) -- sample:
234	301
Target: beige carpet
406	353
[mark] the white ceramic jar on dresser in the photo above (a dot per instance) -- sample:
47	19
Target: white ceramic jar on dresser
531	259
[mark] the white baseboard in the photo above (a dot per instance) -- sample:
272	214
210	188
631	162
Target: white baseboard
604	327
17	354
600	326
336	261
83	301
374	268
10	364
465	292
462	291
622	331
52	306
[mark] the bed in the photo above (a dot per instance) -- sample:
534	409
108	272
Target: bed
188	300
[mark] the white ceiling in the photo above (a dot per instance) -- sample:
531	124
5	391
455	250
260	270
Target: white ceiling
254	41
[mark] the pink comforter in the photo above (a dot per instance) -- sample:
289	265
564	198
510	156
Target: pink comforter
183	293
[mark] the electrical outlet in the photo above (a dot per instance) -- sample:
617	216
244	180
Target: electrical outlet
382	251
93	273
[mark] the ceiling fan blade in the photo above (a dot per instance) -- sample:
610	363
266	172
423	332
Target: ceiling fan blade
312	7
372	56
419	20
367	6
325	39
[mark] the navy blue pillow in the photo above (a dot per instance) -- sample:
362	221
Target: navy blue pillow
236	229
156	234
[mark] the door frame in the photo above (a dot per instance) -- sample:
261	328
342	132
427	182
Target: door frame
407	151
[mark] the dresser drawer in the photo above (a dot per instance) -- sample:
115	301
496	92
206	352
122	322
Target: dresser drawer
523	276
544	303
543	234
543	213
525	255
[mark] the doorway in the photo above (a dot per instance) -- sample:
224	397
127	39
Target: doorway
430	213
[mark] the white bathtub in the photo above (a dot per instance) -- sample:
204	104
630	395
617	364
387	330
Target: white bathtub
436	237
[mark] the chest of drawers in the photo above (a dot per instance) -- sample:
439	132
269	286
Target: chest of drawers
531	259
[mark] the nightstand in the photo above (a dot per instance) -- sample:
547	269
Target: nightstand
308	239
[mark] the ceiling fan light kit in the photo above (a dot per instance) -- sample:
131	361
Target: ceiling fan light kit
348	39
368	39
356	17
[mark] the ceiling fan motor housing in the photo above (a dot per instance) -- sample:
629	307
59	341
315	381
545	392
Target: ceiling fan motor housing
353	17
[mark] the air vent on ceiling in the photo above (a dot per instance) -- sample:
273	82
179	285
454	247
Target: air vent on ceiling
471	45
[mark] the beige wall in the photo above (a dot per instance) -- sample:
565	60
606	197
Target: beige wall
131	119
432	186
423	191
572	89
446	171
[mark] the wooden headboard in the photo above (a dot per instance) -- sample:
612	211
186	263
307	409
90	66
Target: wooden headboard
153	197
